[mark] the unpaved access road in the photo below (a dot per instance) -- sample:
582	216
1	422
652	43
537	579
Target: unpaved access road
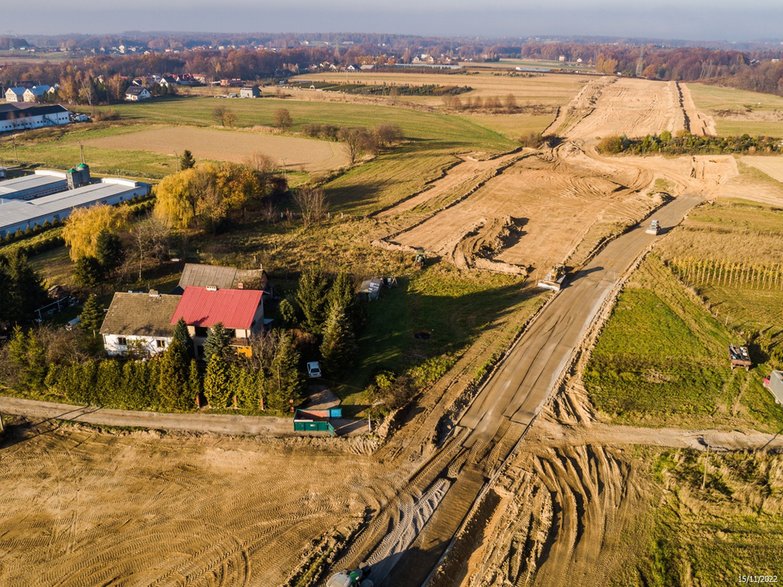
213	423
506	406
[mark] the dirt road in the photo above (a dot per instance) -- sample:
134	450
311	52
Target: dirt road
214	423
508	403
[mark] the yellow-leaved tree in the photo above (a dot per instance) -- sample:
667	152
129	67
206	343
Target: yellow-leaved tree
84	225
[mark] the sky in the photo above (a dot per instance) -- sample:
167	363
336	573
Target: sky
705	20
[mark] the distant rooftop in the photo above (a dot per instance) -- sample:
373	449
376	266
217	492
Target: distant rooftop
9	187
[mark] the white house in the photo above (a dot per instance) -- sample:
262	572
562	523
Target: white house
138	323
29	116
249	92
36	93
15	94
137	94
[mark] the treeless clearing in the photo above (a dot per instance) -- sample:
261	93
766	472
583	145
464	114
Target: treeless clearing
554	201
86	508
632	107
772	166
230	145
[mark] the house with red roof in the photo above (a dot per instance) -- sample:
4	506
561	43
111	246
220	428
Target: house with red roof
240	311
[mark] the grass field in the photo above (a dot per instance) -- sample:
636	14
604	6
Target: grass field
710	535
754	113
662	360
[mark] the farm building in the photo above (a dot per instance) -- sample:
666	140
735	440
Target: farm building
240	311
195	274
249	92
29	116
19	215
775	385
37	93
28	187
15	94
137	94
138	322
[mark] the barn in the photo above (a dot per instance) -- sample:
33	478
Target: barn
28	116
19	214
42	182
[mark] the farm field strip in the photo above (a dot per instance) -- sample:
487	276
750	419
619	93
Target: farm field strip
230	145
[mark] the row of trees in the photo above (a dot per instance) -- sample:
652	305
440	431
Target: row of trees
358	141
684	143
507	104
34	363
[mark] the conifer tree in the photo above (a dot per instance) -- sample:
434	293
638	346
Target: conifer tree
35	371
194	382
181	333
217	343
173	379
91	316
285	382
217	381
110	384
339	344
186	161
109	252
311	296
25	289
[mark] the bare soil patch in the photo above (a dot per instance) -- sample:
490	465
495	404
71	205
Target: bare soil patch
231	145
89	508
632	107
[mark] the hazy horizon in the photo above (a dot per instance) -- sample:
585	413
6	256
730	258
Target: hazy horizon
696	20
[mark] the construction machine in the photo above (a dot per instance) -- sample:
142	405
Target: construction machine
355	578
654	228
554	279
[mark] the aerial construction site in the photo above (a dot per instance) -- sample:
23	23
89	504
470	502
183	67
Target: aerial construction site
522	463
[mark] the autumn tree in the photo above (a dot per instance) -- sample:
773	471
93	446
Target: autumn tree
388	134
312	204
282	119
224	116
150	239
85	225
358	142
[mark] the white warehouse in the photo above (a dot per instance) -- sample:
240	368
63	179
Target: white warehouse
29	116
42	182
18	214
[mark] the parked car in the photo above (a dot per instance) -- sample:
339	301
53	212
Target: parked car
313	369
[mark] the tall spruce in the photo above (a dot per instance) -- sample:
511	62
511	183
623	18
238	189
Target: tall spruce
187	161
311	296
109	252
35	373
218	342
91	316
217	381
339	343
285	381
181	333
173	381
25	289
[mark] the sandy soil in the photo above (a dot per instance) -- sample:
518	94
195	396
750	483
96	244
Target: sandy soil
633	107
771	165
554	200
231	145
142	509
